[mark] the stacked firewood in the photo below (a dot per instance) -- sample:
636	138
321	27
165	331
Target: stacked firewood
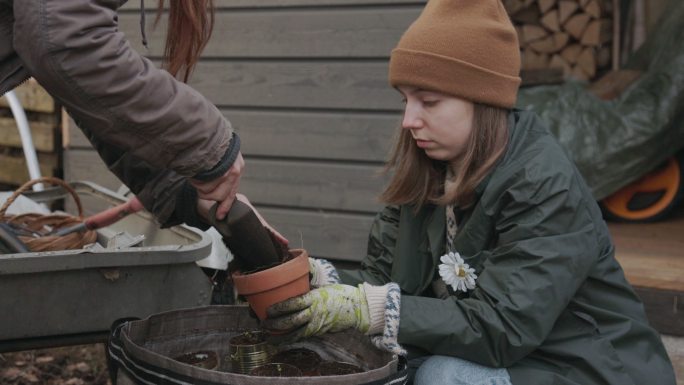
569	37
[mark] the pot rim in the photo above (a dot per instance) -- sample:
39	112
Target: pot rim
273	277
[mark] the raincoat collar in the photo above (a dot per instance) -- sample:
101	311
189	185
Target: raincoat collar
513	118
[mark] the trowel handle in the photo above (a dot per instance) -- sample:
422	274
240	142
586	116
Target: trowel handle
112	215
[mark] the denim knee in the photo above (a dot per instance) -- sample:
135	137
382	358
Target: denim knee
444	370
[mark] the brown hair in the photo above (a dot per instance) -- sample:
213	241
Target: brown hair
189	29
418	180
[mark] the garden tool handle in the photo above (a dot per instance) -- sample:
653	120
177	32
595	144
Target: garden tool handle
113	215
105	218
10	239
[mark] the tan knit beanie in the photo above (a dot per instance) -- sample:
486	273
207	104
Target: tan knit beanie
465	48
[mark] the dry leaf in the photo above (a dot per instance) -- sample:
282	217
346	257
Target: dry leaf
82	367
44	359
11	374
30	377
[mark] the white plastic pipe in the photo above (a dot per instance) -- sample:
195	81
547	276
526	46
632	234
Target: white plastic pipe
26	140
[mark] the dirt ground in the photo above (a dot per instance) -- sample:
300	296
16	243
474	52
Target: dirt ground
73	365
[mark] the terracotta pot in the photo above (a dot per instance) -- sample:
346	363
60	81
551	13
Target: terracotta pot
276	284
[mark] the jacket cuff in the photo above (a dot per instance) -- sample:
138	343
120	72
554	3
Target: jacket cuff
323	273
376	296
389	339
186	209
224	164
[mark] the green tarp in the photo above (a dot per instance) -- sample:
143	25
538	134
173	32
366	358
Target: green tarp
616	142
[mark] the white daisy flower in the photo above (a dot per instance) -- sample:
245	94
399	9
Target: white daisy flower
455	272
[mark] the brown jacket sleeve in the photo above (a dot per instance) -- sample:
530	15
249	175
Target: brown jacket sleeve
74	49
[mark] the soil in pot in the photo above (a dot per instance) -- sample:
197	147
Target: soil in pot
276	370
306	360
248	338
205	359
336	368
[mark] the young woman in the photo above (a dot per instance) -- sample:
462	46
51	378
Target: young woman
491	263
165	141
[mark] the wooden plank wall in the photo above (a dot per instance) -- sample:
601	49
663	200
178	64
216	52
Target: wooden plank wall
304	83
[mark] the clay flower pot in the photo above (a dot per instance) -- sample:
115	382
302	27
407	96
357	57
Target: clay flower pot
276	284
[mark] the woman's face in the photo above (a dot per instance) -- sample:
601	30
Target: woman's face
440	124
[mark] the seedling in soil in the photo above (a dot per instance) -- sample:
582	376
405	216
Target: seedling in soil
248	338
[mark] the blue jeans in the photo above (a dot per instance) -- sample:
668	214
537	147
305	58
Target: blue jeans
445	370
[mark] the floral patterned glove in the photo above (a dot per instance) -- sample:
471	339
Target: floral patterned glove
373	310
330	308
323	272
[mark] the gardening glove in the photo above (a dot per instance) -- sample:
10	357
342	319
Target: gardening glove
322	272
188	209
330	308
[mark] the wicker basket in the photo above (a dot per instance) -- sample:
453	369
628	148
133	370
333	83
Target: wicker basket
35	230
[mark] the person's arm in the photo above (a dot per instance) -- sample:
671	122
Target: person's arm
169	196
546	246
76	52
376	266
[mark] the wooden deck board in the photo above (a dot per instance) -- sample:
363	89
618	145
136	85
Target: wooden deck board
652	254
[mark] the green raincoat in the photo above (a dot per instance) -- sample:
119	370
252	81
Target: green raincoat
551	303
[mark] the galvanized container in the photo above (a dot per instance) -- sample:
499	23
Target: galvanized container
62	294
244	357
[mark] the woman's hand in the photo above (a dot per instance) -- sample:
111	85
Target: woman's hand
326	309
222	189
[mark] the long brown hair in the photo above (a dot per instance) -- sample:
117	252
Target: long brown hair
418	180
189	29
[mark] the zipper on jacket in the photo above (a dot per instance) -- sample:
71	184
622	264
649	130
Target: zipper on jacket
5	90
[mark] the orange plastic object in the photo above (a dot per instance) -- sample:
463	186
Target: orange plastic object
665	180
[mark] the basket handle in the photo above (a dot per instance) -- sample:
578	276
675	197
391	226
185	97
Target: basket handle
47	179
